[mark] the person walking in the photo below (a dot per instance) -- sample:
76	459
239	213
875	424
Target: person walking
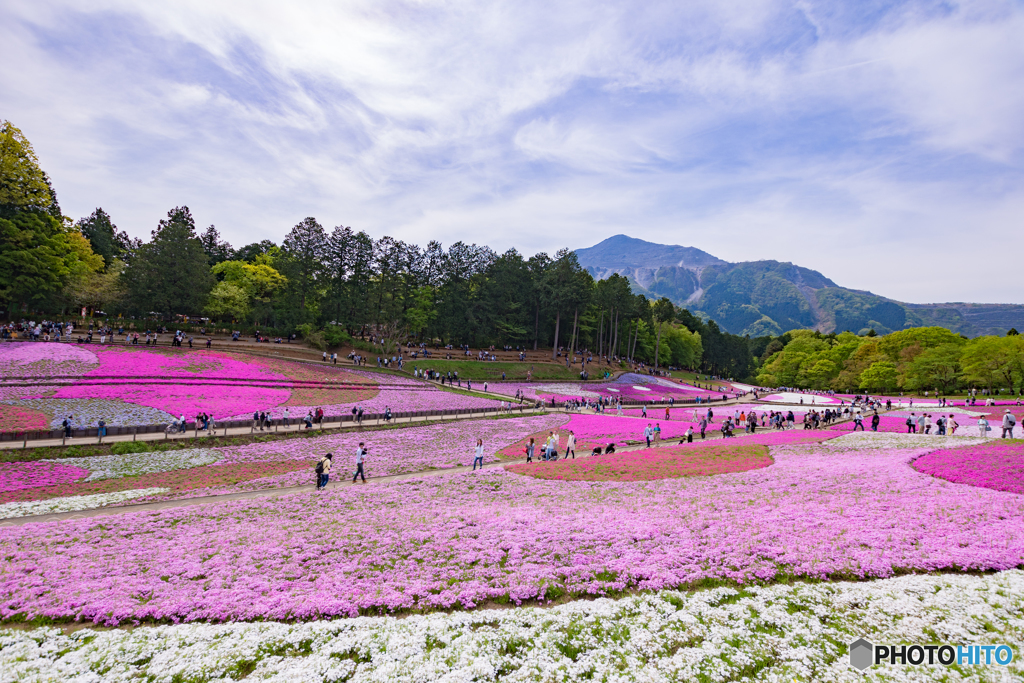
570	445
360	460
911	424
529	450
479	457
875	419
703	428
1009	422
323	471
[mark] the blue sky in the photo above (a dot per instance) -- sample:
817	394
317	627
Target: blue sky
879	143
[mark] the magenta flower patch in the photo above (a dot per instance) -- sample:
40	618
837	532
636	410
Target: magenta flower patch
995	465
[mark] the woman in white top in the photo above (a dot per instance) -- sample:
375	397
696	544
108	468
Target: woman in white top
570	445
983	426
479	457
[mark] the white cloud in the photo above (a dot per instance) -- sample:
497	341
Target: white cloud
751	130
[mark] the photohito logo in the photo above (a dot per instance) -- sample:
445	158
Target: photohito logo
864	654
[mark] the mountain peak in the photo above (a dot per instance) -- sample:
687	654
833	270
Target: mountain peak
623	251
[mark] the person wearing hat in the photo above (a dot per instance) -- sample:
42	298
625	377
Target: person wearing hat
323	470
1009	422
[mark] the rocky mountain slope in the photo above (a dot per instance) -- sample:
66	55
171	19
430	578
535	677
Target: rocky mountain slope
769	297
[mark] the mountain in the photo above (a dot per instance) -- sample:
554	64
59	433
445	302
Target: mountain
769	297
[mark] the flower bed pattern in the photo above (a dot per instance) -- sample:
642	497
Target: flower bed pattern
689	460
166	484
774	633
73	503
15	476
135	464
831	510
995	465
15	418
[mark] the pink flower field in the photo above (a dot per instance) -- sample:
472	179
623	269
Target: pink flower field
821	511
16	476
721	457
995	465
171	382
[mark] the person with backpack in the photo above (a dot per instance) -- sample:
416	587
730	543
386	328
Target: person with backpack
1009	422
323	471
360	460
911	425
875	420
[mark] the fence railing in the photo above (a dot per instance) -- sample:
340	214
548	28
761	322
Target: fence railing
340	421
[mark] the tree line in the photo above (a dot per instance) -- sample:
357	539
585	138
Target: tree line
334	285
916	359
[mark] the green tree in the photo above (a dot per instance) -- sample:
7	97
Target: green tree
171	273
879	377
663	311
938	367
23	185
302	262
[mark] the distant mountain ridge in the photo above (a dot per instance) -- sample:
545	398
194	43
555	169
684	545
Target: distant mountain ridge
770	297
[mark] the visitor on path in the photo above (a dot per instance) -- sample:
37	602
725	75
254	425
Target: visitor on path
983	427
875	419
951	425
667	416
570	445
479	457
911	424
323	471
648	433
644	412
529	450
657	432
689	435
703	428
286	417
1009	422
920	423
360	460
858	421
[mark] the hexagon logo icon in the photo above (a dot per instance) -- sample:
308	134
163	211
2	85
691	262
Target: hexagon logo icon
861	652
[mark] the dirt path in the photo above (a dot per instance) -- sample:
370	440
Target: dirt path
274	493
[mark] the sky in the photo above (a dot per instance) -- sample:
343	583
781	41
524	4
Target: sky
881	144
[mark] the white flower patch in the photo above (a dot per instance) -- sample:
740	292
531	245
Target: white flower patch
87	412
883	440
639	388
566	390
773	633
134	464
73	503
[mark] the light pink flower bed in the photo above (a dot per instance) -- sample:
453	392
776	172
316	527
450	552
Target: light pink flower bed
820	512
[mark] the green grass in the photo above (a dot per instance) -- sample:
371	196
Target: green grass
481	370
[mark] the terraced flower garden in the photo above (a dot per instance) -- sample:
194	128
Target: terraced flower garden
44	383
753	558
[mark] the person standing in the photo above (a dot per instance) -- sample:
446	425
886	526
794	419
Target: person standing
570	445
285	417
529	450
911	424
1009	422
648	433
479	457
703	427
875	419
360	460
102	428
